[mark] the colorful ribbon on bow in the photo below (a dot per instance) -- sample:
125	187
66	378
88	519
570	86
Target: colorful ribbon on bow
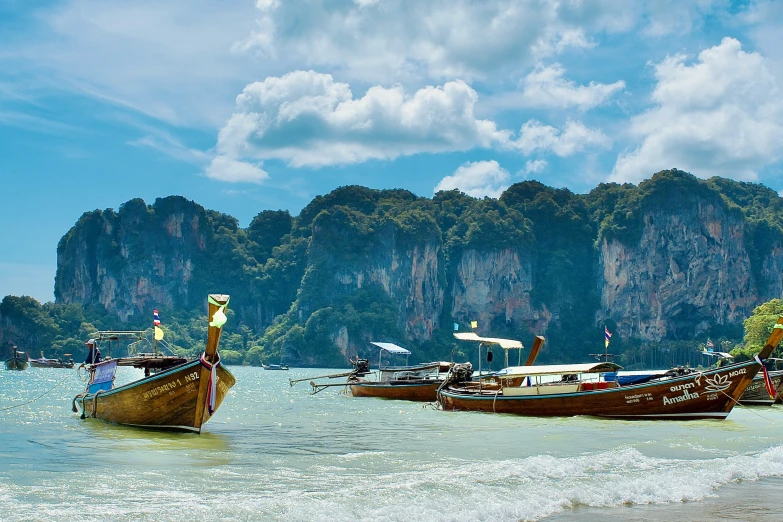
212	383
767	380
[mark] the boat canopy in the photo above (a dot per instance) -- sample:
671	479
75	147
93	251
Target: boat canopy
392	348
722	355
504	343
558	369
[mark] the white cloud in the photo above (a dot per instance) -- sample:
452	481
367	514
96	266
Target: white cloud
575	137
307	119
170	60
164	142
379	42
546	87
678	16
535	166
722	115
477	179
226	169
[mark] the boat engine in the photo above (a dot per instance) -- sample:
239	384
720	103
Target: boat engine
361	366
460	373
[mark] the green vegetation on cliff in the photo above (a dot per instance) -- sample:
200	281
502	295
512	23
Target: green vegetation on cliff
359	264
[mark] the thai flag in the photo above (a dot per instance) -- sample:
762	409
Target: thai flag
155	318
607	335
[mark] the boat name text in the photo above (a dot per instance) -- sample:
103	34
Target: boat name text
685	386
170	386
686	396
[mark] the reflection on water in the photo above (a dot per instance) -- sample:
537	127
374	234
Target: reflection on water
276	452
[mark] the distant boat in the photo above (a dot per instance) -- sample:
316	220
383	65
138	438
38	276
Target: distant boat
43	362
18	361
275	366
180	397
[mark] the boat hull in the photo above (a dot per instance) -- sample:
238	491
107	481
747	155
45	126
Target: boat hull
756	392
55	364
166	400
706	395
421	392
16	363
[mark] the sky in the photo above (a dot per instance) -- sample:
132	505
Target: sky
245	106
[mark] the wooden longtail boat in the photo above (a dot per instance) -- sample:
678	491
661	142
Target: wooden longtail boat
756	394
43	362
182	397
17	361
411	383
710	394
407	383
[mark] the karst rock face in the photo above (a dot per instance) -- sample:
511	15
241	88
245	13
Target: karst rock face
167	255
408	272
689	270
135	259
668	259
494	287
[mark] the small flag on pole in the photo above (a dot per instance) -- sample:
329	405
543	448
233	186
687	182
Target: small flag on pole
456	327
158	331
474	324
607	335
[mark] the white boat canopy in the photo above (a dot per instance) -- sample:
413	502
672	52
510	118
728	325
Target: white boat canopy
392	348
558	369
722	355
506	344
632	373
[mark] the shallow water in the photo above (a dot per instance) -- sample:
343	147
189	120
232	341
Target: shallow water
276	452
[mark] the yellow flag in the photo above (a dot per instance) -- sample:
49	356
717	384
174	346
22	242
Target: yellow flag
474	324
158	333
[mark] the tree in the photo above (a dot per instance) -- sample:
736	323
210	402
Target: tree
758	327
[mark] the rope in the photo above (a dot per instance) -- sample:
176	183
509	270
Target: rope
212	383
737	403
35	399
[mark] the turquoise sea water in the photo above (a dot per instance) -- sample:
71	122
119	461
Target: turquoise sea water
273	452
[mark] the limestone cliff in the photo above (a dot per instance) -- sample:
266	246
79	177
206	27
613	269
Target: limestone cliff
672	258
688	271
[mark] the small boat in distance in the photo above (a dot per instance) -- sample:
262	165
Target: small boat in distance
274	366
43	362
17	361
181	397
577	389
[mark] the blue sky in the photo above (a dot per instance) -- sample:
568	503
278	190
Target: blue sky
244	106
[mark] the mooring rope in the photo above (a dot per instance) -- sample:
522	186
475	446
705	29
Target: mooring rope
737	403
35	399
